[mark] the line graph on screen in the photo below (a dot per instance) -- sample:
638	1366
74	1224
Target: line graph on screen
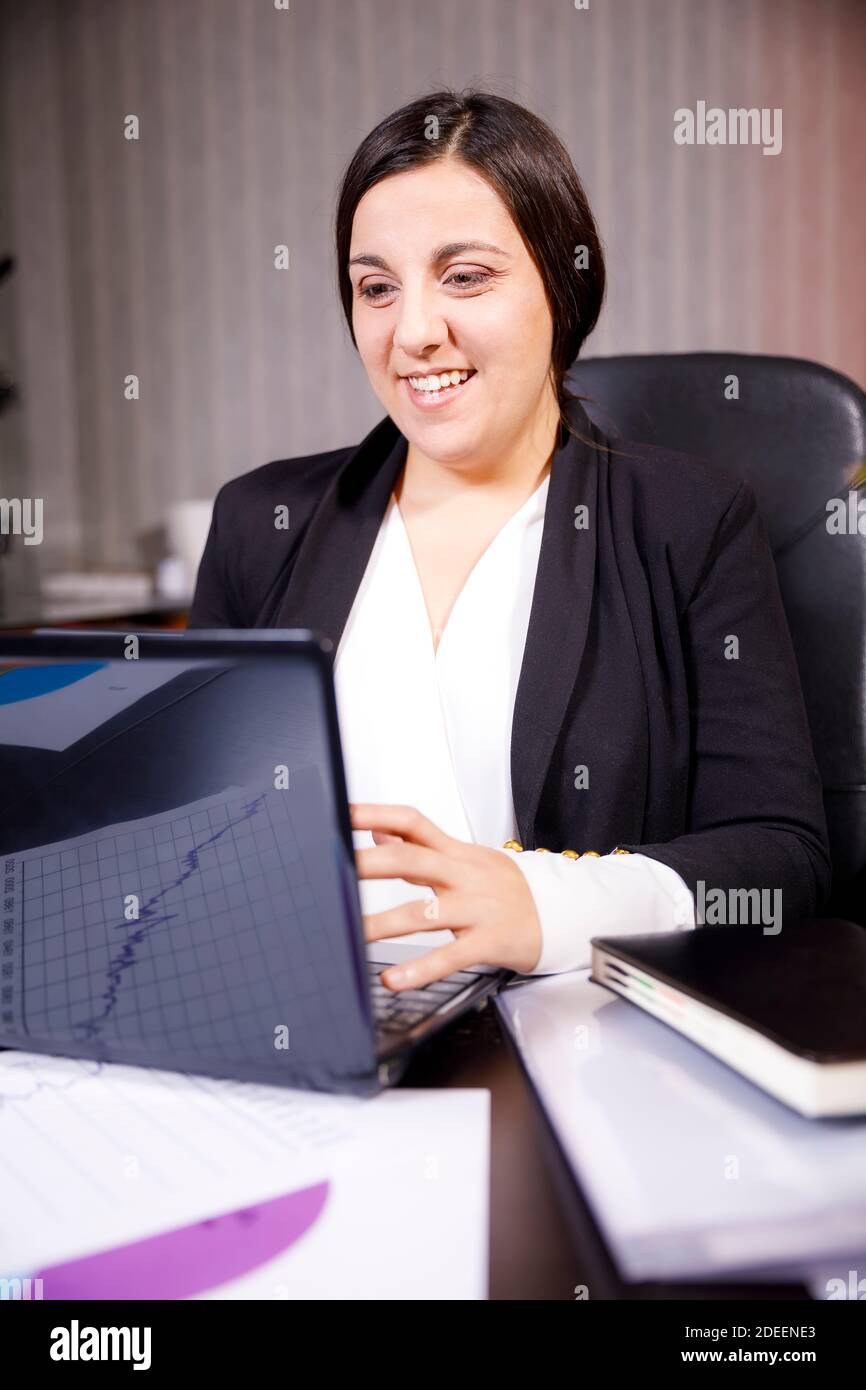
193	930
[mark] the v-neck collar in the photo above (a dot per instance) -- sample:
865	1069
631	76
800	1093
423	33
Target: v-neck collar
532	507
321	576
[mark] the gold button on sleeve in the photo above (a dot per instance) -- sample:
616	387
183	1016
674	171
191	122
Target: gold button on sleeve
591	854
570	853
512	844
620	851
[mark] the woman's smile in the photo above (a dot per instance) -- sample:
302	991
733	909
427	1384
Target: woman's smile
435	390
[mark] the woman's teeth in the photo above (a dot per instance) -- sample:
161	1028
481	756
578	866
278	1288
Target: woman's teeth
436	383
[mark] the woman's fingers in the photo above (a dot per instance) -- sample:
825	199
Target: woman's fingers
411	862
411	847
435	965
419	914
380	838
405	821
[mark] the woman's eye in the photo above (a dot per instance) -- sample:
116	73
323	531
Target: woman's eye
466	279
376	291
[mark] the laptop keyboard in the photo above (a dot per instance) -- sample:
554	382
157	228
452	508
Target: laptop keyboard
397	1013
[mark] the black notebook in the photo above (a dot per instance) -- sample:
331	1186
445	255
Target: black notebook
788	1011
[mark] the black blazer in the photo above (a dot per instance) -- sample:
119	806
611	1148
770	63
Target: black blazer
701	761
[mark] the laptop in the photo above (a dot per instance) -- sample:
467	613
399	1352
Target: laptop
179	886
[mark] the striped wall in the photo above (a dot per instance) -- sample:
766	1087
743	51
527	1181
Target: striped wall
155	257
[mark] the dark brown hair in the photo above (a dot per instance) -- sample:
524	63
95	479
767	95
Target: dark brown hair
528	166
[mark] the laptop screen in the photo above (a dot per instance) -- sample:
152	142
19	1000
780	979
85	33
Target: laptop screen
178	883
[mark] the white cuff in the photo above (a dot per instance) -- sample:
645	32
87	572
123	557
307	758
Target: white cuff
617	894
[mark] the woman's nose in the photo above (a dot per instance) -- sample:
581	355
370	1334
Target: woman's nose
420	324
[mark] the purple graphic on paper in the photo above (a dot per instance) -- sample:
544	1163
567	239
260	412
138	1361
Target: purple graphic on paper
187	1261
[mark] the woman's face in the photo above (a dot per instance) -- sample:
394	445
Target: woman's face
425	302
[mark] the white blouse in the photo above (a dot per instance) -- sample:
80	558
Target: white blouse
431	728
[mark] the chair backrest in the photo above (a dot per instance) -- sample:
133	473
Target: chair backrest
797	432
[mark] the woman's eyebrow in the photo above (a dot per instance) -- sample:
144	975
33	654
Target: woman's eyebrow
442	253
365	259
456	248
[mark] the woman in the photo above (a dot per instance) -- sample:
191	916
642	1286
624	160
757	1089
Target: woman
566	688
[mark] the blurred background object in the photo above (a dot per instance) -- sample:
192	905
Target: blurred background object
7	396
7	382
153	257
188	524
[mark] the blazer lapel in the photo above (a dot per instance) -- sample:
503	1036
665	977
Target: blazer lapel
558	619
333	554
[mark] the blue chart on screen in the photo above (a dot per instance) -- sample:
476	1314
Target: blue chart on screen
54	705
26	682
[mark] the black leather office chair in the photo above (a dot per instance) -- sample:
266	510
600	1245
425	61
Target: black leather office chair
797	432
